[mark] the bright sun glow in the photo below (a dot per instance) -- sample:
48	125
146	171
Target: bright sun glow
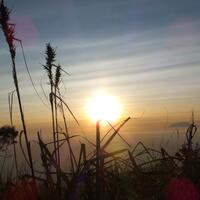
104	107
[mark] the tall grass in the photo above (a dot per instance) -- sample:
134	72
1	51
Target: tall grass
8	30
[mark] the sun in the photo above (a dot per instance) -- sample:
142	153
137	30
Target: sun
104	107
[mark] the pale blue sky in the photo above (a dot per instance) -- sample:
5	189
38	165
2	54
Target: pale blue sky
145	52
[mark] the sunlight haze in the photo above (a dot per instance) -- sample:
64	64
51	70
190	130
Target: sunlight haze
147	56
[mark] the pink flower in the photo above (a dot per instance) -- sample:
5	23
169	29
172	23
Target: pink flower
181	189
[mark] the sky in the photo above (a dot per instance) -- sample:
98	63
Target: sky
146	53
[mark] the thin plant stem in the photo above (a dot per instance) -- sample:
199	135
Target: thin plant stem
71	153
8	30
98	160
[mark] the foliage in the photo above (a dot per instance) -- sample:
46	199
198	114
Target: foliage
7	136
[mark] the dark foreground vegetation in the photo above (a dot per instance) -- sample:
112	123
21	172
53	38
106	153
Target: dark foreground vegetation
133	173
